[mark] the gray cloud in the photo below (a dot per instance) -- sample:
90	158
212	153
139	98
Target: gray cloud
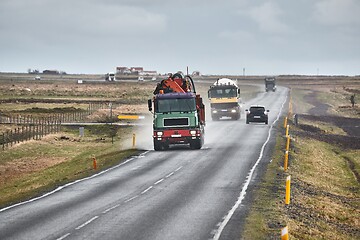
213	36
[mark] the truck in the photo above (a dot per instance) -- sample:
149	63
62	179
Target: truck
270	84
110	77
178	113
224	96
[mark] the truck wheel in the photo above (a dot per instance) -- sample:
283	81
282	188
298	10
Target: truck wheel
247	121
195	144
157	146
266	122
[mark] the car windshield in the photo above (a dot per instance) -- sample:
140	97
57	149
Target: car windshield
222	92
176	105
257	109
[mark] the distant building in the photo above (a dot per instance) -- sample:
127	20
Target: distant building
136	70
148	73
196	73
50	72
123	70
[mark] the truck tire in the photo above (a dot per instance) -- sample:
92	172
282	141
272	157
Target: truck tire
247	121
157	146
237	117
196	144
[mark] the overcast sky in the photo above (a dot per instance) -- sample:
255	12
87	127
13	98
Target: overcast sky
212	36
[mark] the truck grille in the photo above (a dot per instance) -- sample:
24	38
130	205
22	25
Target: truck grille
171	122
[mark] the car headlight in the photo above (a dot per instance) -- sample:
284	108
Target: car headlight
214	111
193	132
159	133
233	111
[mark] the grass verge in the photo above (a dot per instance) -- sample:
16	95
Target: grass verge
35	167
325	191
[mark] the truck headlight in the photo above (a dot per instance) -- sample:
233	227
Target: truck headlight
159	133
193	132
214	111
233	111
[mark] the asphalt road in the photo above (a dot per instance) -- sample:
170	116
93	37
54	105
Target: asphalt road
174	194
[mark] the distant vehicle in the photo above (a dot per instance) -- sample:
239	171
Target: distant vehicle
37	78
110	77
224	96
153	79
140	78
256	113
270	84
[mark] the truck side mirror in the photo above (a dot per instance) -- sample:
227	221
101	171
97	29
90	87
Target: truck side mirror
267	110
239	91
150	105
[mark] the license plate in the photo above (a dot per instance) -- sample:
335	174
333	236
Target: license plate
256	116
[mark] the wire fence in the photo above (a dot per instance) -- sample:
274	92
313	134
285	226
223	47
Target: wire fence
30	131
36	128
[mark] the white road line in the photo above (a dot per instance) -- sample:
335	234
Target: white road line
130	199
146	189
88	222
159	181
64	236
178	168
109	209
69	184
247	182
170	174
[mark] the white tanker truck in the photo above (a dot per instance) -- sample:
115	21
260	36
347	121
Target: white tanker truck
224	96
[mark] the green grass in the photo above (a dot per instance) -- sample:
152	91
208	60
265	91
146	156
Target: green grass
266	217
77	161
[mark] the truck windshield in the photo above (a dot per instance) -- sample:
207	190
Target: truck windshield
176	105
222	92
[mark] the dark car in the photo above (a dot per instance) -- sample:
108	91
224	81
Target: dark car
257	113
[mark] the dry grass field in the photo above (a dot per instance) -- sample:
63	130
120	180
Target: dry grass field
324	166
325	143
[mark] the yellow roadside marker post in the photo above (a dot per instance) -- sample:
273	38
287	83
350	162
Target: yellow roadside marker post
287	143
287	130
285	122
287	193
286	160
285	233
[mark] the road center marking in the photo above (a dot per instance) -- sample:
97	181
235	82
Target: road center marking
64	236
146	189
159	181
86	223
